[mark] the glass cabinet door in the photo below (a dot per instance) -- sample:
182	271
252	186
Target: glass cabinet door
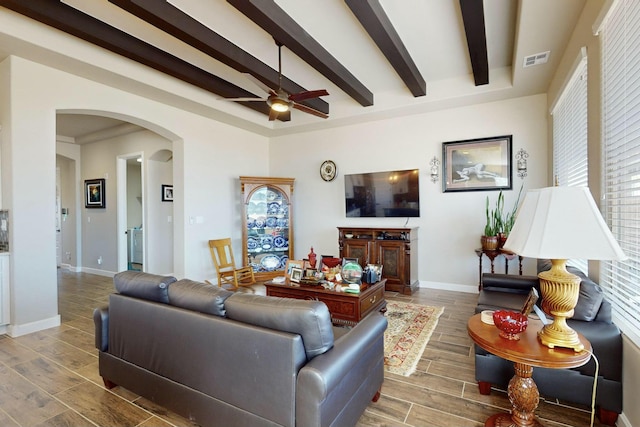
267	231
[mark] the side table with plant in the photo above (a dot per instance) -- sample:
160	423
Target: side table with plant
499	224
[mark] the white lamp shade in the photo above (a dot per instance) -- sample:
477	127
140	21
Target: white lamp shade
562	223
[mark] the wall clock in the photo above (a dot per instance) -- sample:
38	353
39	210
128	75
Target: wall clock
328	170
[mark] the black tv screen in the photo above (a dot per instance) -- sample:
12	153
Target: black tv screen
382	194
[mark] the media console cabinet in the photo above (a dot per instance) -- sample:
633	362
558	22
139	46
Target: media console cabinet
396	249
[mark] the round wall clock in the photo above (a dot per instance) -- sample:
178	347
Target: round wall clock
328	170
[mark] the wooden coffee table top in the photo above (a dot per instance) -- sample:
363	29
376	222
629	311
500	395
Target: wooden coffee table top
527	349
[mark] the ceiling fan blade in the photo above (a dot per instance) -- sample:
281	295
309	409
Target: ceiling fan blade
258	83
297	97
243	99
310	110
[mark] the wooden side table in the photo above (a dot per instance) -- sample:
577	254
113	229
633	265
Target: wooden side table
525	353
492	255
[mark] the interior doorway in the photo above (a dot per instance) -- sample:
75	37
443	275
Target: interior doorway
131	212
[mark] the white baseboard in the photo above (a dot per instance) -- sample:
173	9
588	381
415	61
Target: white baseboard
623	421
470	289
27	328
70	268
98	272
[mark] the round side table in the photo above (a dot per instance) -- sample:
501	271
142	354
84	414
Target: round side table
525	353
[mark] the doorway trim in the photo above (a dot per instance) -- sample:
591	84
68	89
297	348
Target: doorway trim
121	220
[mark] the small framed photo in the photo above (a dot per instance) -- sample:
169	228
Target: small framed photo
477	164
296	275
167	193
291	264
94	193
310	272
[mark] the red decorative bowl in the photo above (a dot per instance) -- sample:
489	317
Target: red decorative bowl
331	262
510	323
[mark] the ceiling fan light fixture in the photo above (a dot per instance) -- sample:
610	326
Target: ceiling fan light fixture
279	105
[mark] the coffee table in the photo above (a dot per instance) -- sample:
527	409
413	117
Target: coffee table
525	353
345	308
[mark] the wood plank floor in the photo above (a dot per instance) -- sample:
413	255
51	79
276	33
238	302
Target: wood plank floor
50	378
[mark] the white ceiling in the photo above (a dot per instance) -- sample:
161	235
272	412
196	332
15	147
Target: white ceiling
431	30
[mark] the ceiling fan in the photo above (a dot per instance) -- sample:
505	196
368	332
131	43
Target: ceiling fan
280	100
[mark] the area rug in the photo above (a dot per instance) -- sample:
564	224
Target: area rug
410	327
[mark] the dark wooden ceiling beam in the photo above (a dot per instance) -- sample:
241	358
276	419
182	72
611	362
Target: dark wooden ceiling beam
376	22
172	20
271	18
474	27
72	21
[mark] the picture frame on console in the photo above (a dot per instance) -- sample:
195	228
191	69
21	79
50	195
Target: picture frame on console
296	275
291	264
481	164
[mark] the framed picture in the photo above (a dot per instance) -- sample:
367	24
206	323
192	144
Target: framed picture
477	164
291	264
167	193
94	193
296	275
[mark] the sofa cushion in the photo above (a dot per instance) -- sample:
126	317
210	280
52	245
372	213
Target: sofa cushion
309	319
198	296
591	294
147	286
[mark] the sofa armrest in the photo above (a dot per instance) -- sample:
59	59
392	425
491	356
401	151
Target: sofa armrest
101	322
509	283
333	378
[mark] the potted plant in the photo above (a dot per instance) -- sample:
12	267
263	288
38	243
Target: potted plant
489	240
499	224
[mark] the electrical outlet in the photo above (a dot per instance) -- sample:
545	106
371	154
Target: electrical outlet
68	255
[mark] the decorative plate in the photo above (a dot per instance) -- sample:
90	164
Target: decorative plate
270	262
260	222
266	242
283	261
251	222
282	222
279	242
273	208
252	243
328	170
271	222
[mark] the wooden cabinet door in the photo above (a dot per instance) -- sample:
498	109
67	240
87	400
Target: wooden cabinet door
391	254
357	248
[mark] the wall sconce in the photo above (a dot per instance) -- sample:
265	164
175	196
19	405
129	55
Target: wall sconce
435	171
521	162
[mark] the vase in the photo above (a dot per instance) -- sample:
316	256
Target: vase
489	243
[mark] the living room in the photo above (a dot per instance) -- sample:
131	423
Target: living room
209	155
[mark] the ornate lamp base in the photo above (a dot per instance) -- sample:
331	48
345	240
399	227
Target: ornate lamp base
560	290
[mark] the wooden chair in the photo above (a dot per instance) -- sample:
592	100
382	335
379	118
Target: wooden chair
228	274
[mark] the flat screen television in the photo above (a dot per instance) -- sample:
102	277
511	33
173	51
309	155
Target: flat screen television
383	194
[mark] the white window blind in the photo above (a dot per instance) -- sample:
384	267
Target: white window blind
570	162
621	156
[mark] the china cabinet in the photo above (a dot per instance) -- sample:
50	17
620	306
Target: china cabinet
267	224
396	249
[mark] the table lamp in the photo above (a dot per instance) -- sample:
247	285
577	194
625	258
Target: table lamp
561	223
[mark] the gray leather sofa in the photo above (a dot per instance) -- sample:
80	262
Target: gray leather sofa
592	318
235	359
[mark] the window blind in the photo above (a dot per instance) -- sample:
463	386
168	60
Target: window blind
570	162
621	157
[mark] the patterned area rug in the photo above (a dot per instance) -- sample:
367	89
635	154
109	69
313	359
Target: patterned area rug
409	330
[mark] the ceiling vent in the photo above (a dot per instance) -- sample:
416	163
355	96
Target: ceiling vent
537	59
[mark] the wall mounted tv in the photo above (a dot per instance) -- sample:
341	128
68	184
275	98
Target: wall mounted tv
383	194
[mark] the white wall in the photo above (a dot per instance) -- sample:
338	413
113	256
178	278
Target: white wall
203	190
159	218
450	224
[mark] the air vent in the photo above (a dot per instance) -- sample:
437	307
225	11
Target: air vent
537	59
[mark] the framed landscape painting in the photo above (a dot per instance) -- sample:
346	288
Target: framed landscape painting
477	164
